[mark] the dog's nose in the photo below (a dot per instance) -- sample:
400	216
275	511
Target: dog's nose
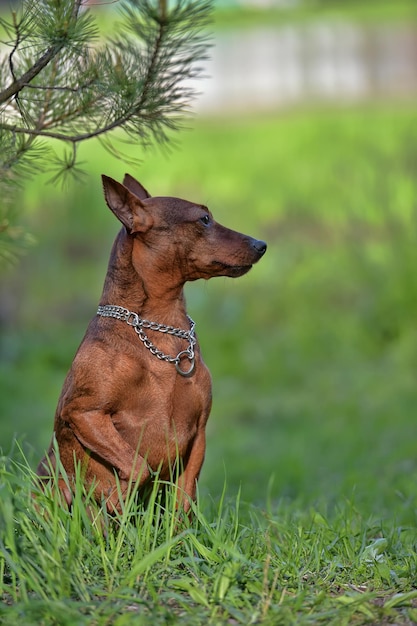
260	246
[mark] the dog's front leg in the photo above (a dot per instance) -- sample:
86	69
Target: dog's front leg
95	430
187	481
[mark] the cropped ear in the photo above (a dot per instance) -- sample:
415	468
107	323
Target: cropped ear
126	206
135	187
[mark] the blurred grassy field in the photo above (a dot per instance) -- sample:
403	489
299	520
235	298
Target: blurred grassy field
313	354
249	15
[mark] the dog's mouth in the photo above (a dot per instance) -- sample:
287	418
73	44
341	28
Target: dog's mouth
234	271
240	270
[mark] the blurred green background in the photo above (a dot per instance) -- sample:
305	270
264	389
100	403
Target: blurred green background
314	353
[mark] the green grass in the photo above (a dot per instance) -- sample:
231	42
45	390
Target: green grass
351	10
281	565
313	361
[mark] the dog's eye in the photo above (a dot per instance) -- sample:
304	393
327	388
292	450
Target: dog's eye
205	219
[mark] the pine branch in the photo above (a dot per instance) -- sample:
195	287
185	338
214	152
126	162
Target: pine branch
18	84
61	88
159	75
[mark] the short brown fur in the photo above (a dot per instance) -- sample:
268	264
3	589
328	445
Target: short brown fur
122	411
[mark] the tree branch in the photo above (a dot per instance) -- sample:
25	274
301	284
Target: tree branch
40	131
79	91
18	84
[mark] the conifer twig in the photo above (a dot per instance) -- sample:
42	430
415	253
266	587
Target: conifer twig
59	85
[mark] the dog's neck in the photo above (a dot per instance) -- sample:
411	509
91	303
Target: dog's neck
142	293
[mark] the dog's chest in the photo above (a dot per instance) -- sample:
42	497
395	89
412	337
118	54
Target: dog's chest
165	409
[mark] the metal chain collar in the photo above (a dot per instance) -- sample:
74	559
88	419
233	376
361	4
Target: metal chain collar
138	323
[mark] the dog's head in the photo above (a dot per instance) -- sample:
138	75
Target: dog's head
179	238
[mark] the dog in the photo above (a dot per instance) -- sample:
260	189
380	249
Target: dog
136	400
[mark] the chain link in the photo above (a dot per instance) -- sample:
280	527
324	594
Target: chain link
138	323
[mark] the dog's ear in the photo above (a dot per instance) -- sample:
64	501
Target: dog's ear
126	206
135	187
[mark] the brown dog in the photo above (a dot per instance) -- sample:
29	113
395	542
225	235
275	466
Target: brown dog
138	394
